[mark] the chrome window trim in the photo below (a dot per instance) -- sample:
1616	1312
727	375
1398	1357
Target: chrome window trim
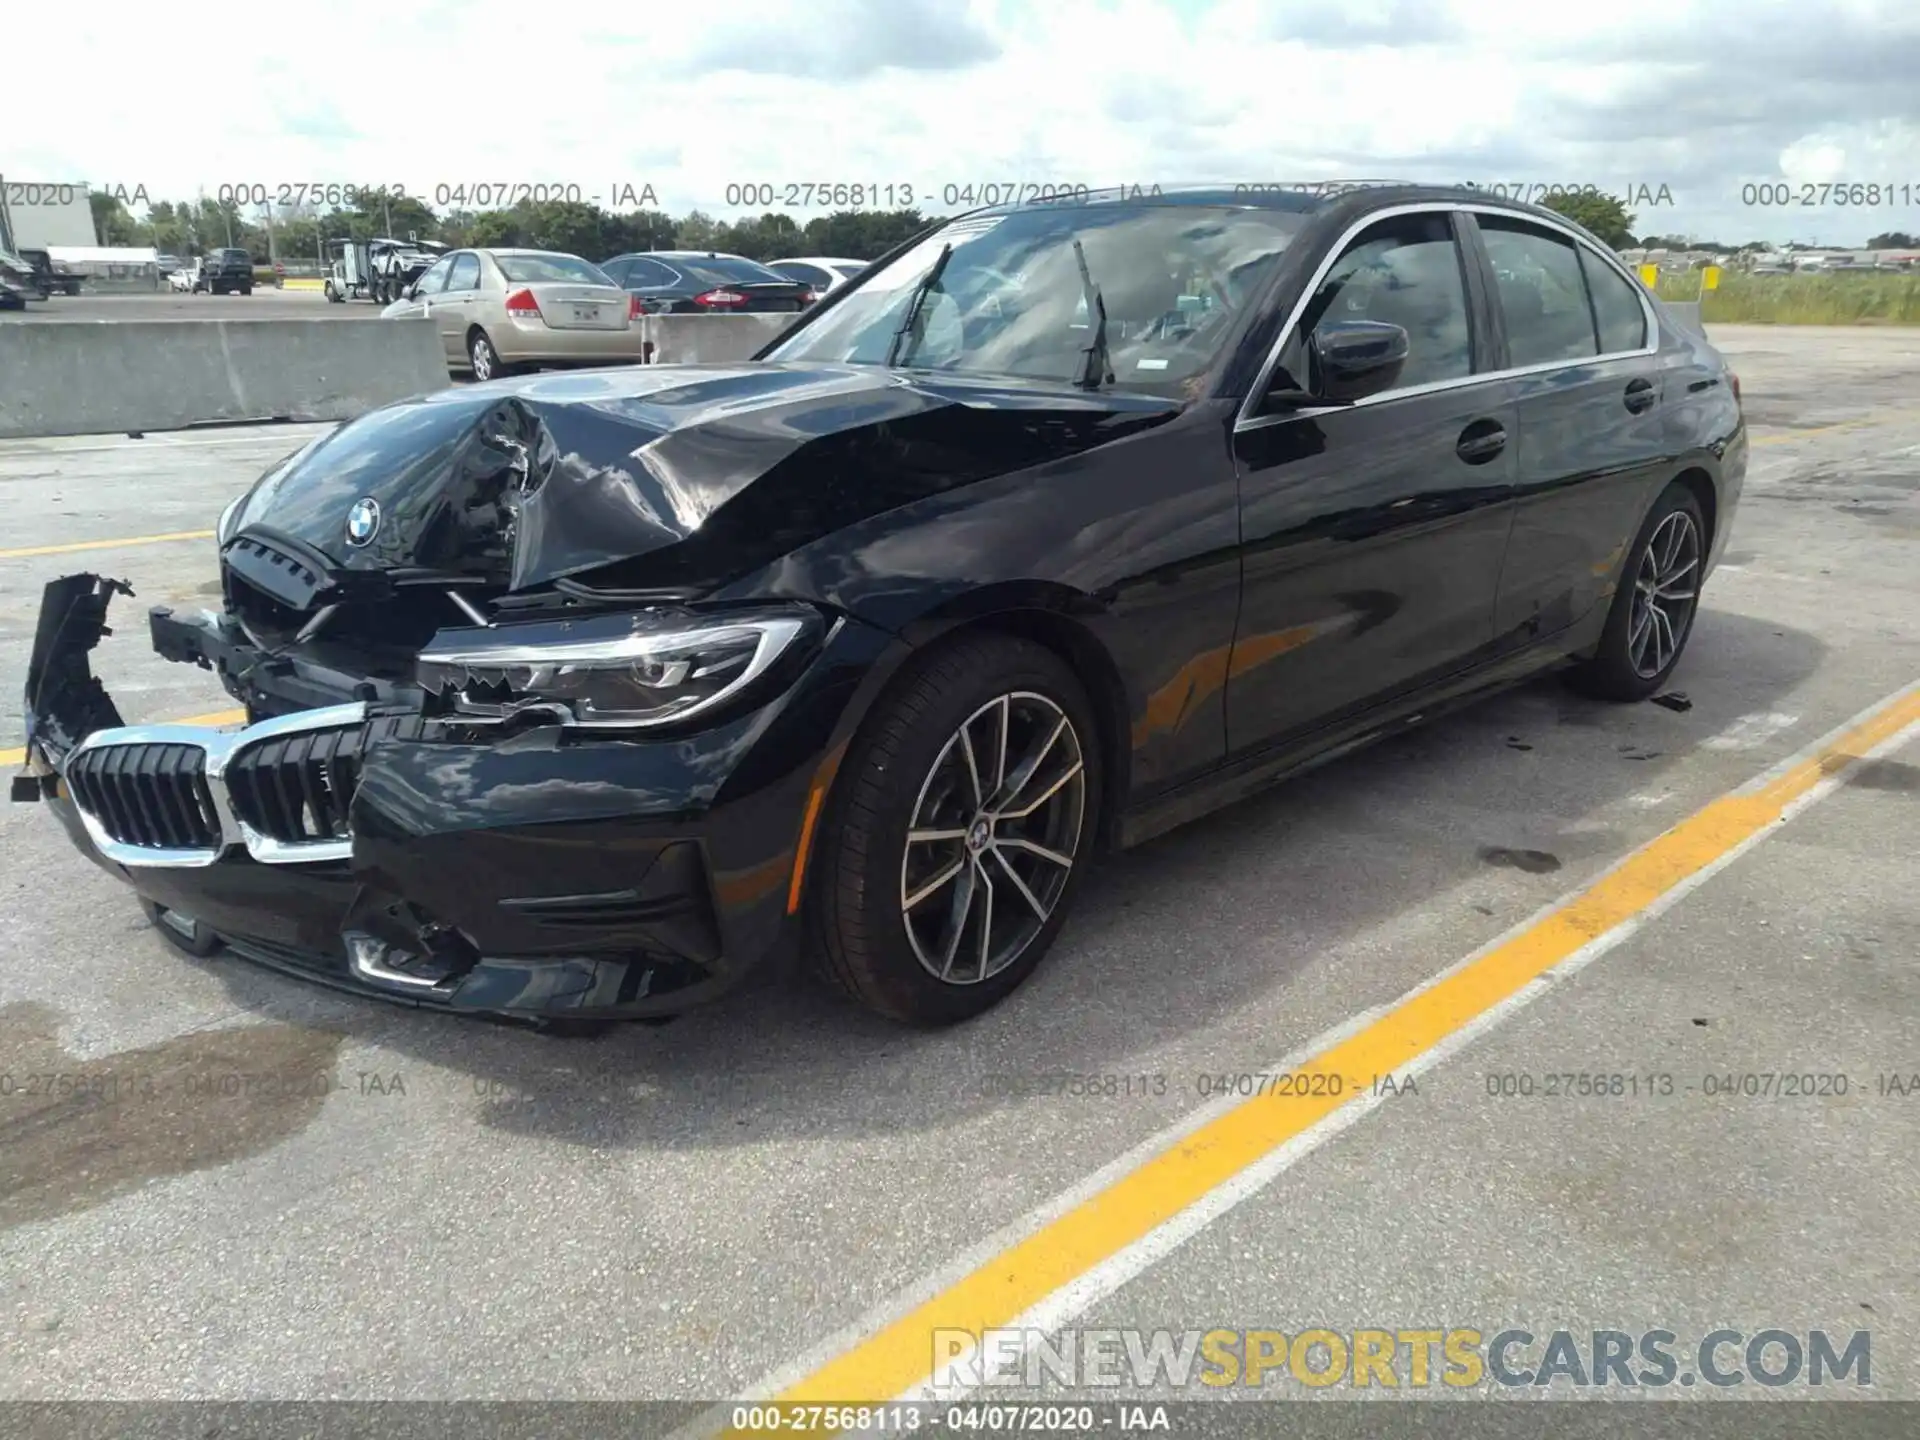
219	747
1245	419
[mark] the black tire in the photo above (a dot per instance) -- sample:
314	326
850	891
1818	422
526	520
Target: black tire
201	943
246	289
1632	661
865	940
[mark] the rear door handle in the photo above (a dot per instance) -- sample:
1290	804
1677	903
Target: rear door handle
1480	442
1641	395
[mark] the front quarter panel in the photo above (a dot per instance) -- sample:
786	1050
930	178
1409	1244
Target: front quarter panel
1135	543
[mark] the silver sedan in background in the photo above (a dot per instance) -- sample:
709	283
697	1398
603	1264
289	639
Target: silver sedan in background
500	311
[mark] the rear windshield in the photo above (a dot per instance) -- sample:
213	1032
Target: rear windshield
532	269
725	269
847	272
231	255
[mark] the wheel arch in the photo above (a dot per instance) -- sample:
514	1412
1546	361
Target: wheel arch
1699	483
1053	616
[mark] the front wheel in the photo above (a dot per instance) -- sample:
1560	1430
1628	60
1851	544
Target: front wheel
182	932
1652	615
962	824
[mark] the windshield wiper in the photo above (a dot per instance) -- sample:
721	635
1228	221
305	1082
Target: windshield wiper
1098	369
911	325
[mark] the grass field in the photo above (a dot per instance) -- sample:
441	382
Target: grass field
1843	299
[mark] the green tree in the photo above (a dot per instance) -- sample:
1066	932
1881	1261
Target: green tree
696	232
1893	240
1604	215
112	222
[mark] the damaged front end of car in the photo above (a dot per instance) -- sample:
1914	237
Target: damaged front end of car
465	780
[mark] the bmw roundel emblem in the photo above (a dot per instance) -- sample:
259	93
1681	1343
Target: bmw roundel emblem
363	520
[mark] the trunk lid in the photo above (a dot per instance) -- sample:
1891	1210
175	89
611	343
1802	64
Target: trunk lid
570	306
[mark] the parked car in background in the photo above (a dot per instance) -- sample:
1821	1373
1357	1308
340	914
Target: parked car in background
499	311
183	279
821	272
579	698
694	282
227	271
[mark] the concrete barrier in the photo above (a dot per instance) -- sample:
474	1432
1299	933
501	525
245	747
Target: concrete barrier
691	339
104	377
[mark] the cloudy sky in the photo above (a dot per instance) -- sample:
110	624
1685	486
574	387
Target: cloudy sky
1701	98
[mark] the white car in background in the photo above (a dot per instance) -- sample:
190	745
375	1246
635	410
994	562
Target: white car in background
822	272
181	280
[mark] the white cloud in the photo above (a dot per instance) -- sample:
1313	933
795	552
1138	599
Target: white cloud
928	93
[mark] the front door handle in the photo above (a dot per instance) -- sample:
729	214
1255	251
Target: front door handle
1641	395
1480	442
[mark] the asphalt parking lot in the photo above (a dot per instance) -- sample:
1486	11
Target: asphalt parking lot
783	1195
265	303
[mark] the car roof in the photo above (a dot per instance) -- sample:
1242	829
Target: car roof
1296	196
818	260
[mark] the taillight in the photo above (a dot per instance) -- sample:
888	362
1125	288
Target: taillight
1734	381
720	299
636	307
522	303
812	297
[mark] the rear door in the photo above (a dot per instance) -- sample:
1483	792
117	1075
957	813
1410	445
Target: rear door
1373	533
654	282
1591	450
453	308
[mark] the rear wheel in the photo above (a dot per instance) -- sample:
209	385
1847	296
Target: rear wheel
1652	615
484	359
961	827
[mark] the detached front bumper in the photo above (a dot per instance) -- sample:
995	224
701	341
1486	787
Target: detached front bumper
543	874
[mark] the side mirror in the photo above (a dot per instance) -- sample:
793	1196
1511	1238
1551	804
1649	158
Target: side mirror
1356	358
409	292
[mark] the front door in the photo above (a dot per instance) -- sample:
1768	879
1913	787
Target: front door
1373	533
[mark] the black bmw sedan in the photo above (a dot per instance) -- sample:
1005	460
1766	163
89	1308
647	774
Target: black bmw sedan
581	696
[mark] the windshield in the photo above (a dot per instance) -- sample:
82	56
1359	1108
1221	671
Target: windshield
532	269
1011	299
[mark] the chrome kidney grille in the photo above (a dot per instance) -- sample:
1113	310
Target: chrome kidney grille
184	795
152	796
296	789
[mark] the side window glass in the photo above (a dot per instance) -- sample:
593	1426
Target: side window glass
465	274
617	270
1542	293
1616	305
652	272
1404	271
435	280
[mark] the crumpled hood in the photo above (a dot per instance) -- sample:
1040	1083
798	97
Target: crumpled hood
526	481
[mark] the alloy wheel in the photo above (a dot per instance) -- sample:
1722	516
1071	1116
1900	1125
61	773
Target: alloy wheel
1666	591
993	838
482	358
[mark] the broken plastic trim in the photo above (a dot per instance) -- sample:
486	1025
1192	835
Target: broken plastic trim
65	702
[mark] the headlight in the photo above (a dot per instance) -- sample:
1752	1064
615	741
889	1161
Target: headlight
642	669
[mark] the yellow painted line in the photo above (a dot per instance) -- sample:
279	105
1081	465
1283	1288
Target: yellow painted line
899	1357
18	754
79	545
305	285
